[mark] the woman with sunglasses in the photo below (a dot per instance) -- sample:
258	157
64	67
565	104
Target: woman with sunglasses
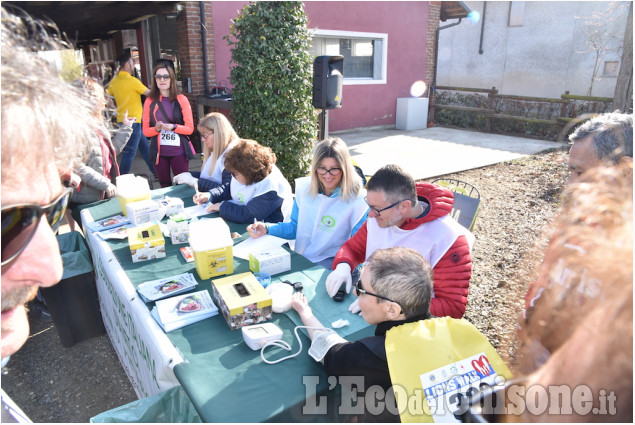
257	191
99	170
167	122
218	137
329	206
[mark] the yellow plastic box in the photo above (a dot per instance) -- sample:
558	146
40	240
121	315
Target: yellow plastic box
124	201
131	188
212	245
215	262
242	300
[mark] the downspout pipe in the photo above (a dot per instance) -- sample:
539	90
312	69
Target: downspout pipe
480	46
204	47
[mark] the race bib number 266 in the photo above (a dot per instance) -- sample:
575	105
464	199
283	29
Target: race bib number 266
169	138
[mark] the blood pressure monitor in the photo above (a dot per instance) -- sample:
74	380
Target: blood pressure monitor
257	335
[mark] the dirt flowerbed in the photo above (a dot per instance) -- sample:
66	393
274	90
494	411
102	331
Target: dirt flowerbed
519	200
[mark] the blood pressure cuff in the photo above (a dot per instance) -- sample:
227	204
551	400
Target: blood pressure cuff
322	343
436	361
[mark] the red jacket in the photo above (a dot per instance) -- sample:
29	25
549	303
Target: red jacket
452	272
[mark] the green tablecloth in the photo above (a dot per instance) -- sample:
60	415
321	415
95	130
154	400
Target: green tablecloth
225	380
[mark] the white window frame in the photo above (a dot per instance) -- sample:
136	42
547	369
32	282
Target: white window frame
369	35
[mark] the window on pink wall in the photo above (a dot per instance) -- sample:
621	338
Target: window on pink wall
364	54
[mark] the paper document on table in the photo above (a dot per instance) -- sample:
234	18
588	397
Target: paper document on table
195	210
243	249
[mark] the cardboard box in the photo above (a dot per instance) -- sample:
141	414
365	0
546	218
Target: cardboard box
242	300
270	261
145	211
212	244
146	242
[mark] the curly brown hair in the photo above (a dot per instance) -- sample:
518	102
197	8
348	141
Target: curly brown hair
250	159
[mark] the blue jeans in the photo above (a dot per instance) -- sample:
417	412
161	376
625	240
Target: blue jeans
137	139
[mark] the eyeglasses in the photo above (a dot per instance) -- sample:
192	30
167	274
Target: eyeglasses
20	223
360	290
162	76
335	171
205	136
378	212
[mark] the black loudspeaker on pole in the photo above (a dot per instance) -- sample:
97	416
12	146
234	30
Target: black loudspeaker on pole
328	74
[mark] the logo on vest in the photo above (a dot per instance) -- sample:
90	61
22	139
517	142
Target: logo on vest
240	197
328	221
482	366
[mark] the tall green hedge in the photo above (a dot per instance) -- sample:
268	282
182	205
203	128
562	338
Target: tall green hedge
272	77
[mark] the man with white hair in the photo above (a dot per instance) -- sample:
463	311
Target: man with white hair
45	123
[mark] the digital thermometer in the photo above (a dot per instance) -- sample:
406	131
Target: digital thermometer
257	335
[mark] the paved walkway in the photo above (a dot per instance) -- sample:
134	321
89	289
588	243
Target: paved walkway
436	151
424	153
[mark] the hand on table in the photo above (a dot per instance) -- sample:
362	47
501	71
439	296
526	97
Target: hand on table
213	207
341	274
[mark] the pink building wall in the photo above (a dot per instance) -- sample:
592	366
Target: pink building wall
405	22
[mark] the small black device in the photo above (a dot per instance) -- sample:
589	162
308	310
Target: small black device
339	297
297	286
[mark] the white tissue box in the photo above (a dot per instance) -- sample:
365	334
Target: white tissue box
271	261
171	205
145	211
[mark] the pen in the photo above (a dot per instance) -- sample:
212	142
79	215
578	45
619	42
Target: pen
255	230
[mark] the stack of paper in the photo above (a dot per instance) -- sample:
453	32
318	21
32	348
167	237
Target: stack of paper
166	287
182	310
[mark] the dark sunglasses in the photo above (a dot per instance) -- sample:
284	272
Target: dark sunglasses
360	290
20	222
162	76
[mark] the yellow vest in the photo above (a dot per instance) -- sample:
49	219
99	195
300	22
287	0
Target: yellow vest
430	361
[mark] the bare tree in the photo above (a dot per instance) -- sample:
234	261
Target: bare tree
623	98
602	36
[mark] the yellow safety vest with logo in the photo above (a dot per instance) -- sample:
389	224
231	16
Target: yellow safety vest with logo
433	364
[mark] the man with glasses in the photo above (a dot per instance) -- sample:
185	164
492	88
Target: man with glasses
415	216
45	126
395	288
127	91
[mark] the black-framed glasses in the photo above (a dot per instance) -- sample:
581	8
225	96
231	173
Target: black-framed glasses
206	135
361	290
20	222
335	171
378	212
162	76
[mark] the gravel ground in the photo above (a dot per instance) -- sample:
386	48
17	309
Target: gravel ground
519	199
